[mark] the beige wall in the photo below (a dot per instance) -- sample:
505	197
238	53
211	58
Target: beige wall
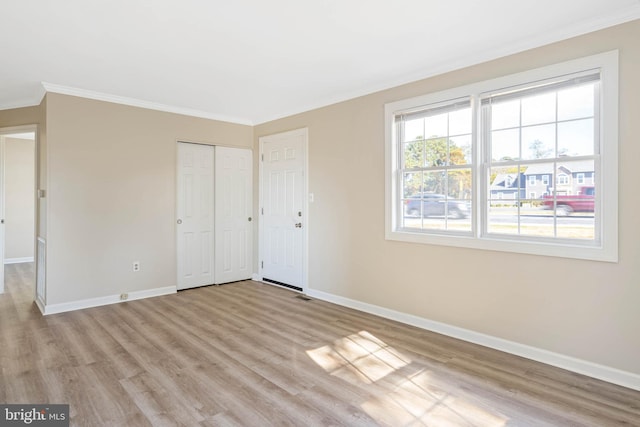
20	116
111	194
19	173
587	310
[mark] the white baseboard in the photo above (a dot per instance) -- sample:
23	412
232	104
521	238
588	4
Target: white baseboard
110	299
594	370
40	304
18	260
256	277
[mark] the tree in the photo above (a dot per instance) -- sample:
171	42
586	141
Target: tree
539	150
435	153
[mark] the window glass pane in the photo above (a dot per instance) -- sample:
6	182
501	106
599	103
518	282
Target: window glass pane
460	152
505	145
459	184
413	129
459	199
539	142
411	184
576	138
436	125
505	115
533	206
460	122
434	183
413	154
436	152
576	102
504	189
539	109
575	202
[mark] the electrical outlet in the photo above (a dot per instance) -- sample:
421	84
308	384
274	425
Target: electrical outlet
136	266
124	297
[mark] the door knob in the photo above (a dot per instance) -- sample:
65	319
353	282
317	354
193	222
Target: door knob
249	219
299	225
179	221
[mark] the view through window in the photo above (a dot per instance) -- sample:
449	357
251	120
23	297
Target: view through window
519	162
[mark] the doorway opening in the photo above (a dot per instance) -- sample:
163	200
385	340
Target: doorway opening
18	206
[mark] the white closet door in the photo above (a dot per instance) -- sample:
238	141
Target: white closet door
233	211
195	221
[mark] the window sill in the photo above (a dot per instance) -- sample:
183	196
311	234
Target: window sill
562	249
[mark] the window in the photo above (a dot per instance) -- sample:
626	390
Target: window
435	167
563	179
452	155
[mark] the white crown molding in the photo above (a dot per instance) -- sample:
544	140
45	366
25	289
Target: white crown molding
132	102
106	300
594	370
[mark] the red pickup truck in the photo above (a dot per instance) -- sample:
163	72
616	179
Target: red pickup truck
565	205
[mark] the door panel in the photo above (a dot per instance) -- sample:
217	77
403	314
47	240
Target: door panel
234	208
195	212
283	217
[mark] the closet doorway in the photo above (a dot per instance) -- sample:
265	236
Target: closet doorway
214	221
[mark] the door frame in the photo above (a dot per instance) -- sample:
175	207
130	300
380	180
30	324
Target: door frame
36	171
304	132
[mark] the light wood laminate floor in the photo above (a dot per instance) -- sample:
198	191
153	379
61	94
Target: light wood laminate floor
248	354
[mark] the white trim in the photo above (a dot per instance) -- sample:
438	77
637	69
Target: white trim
106	300
18	260
594	370
256	277
40	304
99	96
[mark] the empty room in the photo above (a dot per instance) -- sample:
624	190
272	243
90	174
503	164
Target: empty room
345	213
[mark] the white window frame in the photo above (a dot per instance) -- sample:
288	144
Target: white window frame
532	180
606	180
545	179
564	180
580	178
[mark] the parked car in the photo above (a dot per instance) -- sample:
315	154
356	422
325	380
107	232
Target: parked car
432	204
565	204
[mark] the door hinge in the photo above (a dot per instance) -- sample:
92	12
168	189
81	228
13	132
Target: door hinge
262	211
262	157
261	264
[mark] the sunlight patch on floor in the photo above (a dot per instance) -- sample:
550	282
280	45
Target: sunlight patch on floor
359	358
415	401
412	397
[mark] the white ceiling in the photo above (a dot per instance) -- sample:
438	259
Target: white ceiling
250	61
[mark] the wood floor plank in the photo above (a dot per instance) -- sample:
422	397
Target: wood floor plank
248	354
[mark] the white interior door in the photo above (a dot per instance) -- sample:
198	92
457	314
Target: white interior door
233	210
195	215
283	219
